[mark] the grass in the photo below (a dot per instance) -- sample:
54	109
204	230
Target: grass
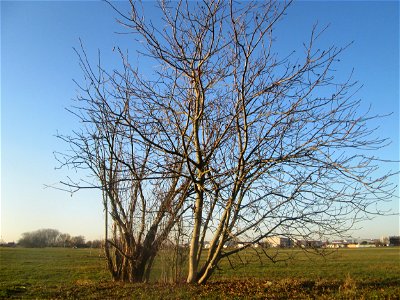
372	273
363	264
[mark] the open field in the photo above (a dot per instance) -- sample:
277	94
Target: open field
81	273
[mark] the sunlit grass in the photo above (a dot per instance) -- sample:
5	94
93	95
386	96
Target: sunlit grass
377	263
82	274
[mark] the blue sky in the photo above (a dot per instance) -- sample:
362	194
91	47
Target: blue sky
38	65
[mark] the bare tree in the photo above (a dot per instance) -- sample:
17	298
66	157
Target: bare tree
39	238
255	143
142	200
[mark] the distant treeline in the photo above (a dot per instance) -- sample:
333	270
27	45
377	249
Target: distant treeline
53	238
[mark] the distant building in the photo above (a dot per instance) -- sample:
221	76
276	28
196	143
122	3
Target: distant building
247	244
385	241
9	244
231	244
279	242
367	243
309	244
340	244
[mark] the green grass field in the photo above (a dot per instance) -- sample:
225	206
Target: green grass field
372	273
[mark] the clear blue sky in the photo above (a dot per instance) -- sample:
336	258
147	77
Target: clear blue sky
38	65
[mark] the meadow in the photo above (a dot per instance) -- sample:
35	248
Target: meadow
57	273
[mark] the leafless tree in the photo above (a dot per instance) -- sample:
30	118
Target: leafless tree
39	238
248	143
143	202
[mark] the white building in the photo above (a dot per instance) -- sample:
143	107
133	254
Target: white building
277	241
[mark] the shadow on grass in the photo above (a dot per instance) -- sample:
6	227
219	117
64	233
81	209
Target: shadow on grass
15	291
348	288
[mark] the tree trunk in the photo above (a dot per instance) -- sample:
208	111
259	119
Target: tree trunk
194	243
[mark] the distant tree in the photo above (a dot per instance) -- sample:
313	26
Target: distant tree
40	238
95	244
50	238
78	241
235	140
394	240
64	240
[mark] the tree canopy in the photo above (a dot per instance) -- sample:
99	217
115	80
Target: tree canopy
226	140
